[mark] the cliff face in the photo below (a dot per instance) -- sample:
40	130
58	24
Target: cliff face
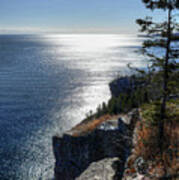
75	154
79	154
125	84
121	85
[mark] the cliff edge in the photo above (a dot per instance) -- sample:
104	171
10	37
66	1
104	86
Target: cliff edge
95	149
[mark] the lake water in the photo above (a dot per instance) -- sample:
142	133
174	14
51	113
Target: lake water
47	85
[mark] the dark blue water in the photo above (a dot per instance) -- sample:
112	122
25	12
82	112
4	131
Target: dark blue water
47	85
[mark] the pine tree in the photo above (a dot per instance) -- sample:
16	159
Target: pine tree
104	108
161	35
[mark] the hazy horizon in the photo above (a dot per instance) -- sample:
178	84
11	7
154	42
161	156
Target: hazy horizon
61	16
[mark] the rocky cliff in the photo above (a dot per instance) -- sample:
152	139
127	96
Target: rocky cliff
93	148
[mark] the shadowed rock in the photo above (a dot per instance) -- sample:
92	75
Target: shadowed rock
74	154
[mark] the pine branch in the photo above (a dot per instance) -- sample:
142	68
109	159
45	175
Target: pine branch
155	43
161	4
151	27
174	54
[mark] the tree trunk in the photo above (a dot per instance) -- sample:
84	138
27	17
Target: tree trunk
165	84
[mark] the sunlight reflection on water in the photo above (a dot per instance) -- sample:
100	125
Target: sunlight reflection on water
48	83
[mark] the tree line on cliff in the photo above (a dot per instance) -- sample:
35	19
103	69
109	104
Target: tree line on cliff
159	81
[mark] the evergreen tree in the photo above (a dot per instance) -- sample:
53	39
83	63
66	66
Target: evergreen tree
161	35
104	108
99	111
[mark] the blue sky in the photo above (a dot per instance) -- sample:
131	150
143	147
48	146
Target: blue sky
70	16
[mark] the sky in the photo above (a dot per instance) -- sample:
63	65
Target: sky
71	16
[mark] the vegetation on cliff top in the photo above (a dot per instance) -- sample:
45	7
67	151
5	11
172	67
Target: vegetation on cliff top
146	146
150	112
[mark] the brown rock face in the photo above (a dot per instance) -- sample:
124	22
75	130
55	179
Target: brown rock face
146	161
